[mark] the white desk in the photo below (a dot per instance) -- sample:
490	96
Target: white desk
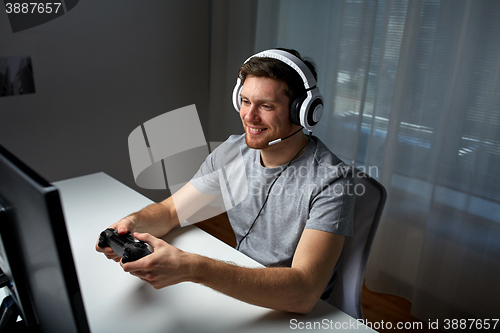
116	301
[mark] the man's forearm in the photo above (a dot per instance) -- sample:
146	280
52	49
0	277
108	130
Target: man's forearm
295	289
281	288
156	219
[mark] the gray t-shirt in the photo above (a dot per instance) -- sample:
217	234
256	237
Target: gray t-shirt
315	191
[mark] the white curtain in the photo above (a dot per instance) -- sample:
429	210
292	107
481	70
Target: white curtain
412	95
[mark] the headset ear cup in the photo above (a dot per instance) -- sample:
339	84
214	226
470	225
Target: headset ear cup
236	95
314	112
295	110
311	109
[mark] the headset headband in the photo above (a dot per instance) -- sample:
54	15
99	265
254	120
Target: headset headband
298	65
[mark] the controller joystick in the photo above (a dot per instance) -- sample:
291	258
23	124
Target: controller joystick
125	246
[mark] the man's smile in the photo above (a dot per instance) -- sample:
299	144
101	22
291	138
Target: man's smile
255	130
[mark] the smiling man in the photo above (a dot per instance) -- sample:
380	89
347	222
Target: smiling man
296	213
265	116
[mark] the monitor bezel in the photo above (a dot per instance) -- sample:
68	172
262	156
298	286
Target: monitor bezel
21	290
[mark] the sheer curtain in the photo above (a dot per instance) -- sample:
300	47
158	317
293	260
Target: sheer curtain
412	95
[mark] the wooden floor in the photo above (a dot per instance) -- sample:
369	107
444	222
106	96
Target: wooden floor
376	307
393	309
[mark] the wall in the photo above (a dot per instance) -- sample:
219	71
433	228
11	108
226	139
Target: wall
100	71
232	40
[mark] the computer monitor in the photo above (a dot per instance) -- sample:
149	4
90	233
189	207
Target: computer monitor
35	254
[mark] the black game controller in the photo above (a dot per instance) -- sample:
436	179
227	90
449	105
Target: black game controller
125	246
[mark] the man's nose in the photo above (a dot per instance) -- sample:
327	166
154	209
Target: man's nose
252	114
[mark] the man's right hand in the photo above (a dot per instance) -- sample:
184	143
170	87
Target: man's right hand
123	226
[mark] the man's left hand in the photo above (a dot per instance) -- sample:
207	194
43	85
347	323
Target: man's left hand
164	267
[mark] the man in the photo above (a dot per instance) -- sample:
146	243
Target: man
296	213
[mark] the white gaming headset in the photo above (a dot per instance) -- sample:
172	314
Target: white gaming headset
306	110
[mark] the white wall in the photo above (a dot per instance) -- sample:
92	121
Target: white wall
100	71
232	42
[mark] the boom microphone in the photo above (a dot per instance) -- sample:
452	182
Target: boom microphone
286	137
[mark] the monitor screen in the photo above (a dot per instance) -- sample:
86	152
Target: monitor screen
35	253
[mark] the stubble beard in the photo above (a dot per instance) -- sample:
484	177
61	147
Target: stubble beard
265	143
